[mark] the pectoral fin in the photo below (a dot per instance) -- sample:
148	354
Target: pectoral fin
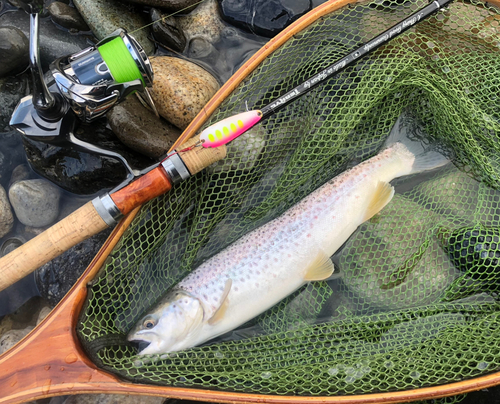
382	196
224	302
320	268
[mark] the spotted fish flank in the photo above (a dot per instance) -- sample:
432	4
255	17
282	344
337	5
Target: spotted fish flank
273	261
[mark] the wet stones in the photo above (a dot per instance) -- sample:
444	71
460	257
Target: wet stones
13	50
55	278
6	217
35	202
106	16
81	172
180	89
67	17
141	130
112	399
394	261
263	17
167	31
169	5
12	89
54	42
17	325
204	22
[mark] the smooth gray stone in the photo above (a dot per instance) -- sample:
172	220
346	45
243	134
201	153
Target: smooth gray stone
35	202
141	130
6	217
21	172
54	42
67	17
14	47
105	16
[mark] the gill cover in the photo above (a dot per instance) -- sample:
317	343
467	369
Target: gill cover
171	325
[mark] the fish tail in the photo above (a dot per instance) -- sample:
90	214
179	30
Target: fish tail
425	160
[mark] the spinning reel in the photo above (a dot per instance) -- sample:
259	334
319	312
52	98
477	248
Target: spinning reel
83	87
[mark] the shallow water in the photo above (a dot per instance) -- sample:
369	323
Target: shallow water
223	62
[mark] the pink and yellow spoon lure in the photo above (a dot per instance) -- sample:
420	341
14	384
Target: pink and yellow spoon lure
230	128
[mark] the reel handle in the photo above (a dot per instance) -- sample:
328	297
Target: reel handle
87	221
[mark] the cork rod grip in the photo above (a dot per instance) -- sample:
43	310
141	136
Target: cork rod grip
78	226
199	158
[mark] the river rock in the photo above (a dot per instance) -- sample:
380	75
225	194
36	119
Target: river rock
10	154
167	32
141	130
80	172
6	218
35	202
180	89
54	42
169	5
12	89
18	323
106	16
75	171
263	17
394	260
12	337
452	193
112	399
203	22
67	17
14	47
55	278
21	172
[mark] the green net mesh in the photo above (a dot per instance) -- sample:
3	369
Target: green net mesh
415	302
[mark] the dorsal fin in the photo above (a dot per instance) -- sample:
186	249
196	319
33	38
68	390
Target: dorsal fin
381	197
224	302
320	268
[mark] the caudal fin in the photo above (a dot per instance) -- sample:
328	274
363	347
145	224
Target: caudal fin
425	160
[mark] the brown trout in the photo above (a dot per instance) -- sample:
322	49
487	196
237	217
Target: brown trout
273	261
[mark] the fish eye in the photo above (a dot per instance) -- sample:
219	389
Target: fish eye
149	323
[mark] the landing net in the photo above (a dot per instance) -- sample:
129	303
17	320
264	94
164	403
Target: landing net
416	301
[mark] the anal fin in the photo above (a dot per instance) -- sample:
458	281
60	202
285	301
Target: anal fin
381	197
320	268
224	302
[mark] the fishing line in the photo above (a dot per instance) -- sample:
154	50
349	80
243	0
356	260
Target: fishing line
167	16
119	61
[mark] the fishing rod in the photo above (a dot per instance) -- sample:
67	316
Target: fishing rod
185	161
230	128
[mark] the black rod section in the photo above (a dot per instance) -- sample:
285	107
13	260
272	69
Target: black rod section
353	57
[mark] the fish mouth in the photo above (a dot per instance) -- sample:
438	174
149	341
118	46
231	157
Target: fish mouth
141	344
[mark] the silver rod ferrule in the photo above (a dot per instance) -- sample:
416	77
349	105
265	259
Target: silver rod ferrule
107	209
175	168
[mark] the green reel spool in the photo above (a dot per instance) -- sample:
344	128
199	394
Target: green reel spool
120	62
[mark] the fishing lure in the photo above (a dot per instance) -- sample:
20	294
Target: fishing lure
230	128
